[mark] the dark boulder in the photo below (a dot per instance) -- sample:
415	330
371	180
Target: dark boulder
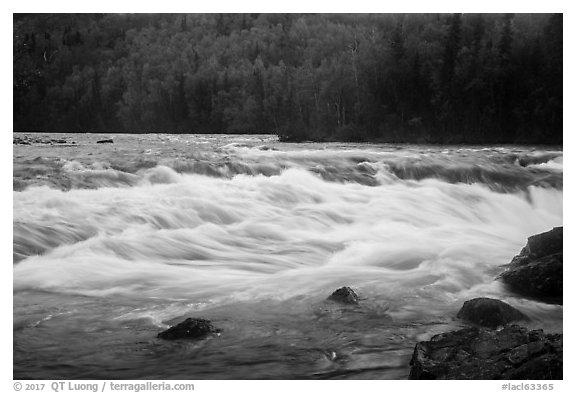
190	328
543	244
537	270
105	141
478	353
540	279
344	295
489	312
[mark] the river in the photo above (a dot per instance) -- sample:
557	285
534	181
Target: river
112	243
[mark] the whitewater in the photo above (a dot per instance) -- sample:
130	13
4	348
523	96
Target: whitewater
113	243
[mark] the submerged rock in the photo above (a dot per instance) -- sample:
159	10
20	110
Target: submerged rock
478	353
105	141
190	328
537	270
344	295
489	312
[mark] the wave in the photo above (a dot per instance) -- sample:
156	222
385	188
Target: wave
191	236
499	172
555	164
190	218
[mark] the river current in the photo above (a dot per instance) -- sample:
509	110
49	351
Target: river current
113	243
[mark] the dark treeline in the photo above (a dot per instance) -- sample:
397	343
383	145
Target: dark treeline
471	78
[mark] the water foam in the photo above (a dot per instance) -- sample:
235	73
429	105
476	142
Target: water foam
199	237
114	243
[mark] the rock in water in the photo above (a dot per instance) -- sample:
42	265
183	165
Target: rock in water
540	279
344	295
543	244
489	312
478	353
105	141
537	270
190	328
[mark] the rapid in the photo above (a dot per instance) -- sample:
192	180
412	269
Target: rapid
113	243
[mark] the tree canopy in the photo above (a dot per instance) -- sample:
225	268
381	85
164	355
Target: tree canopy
426	78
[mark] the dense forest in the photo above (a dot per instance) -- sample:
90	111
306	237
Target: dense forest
426	78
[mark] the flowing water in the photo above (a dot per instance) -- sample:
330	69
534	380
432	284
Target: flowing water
115	242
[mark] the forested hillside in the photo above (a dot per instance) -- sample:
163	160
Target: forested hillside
470	78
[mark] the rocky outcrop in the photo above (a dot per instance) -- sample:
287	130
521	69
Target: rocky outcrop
105	141
478	353
490	313
344	295
189	329
537	270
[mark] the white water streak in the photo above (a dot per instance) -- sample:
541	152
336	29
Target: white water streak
249	237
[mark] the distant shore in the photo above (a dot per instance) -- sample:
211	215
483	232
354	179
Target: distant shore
315	140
